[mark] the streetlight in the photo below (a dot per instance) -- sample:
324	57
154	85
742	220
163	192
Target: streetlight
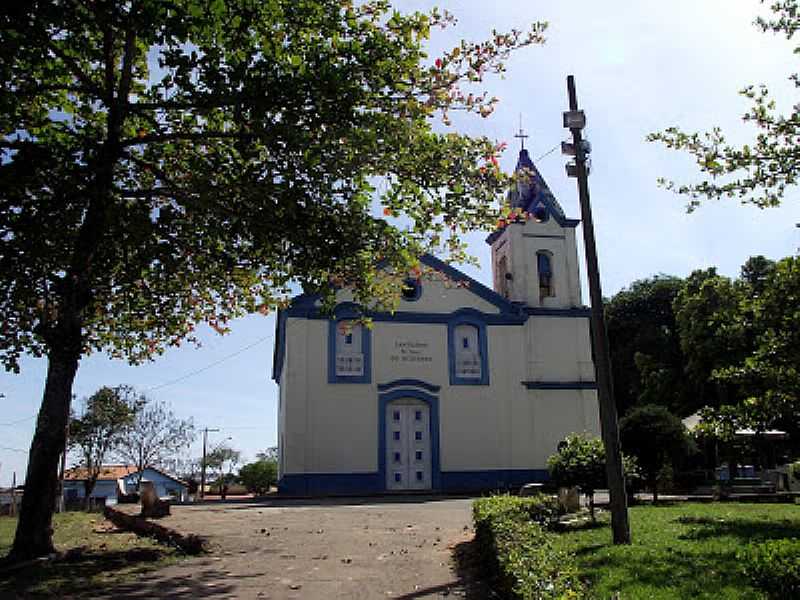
203	463
575	121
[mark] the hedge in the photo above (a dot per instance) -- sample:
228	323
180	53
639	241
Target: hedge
513	540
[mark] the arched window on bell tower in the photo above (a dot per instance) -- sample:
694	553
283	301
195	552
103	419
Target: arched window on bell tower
544	266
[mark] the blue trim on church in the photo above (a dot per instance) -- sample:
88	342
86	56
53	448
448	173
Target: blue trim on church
577	312
370	484
383	387
433	406
476	287
304	305
511	313
347	311
373	483
518	317
467	316
279	354
560	385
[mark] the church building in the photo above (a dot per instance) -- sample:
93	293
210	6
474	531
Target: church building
462	389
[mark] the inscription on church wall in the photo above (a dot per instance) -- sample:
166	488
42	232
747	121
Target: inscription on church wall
410	351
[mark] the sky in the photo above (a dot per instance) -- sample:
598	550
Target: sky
639	67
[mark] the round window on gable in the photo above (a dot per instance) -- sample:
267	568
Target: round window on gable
412	289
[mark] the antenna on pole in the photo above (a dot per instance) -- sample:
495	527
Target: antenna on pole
521	135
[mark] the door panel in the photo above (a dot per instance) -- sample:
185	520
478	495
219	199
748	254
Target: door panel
408	445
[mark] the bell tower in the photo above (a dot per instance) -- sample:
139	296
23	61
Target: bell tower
534	253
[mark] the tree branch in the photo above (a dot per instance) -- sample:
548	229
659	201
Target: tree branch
128	56
186	136
74	68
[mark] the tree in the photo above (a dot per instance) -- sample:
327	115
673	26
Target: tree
712	334
167	164
258	477
154	436
766	376
270	453
756	173
579	462
108	413
653	435
646	355
223	459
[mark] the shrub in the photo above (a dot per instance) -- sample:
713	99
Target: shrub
513	540
259	476
540	509
581	462
773	566
655	437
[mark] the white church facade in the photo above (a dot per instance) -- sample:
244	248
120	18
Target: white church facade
463	388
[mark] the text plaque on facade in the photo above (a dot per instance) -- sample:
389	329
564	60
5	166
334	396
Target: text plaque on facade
410	352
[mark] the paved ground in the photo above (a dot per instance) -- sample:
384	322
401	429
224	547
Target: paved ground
403	548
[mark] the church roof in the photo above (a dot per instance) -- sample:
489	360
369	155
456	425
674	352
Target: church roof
531	188
530	192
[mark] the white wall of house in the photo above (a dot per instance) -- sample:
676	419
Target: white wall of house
165	487
104	488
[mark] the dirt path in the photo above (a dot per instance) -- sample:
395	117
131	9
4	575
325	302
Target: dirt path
402	548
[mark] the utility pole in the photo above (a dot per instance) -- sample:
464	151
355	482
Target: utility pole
203	463
14	495
575	121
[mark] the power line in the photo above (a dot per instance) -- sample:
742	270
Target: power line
17	422
209	366
13	449
548	153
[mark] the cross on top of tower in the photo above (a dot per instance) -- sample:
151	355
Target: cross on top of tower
521	135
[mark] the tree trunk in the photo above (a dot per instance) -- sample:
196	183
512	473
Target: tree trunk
591	508
655	491
34	537
88	487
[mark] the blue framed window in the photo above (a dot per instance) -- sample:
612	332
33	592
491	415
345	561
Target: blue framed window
419	475
418	436
349	347
396	436
396	415
467	349
418	455
397	457
418	415
397	477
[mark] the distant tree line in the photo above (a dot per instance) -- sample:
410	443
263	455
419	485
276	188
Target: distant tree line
728	348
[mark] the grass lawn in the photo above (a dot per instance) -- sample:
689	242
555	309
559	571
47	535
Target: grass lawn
679	551
98	555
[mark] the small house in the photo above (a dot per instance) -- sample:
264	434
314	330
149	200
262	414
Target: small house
167	487
117	480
